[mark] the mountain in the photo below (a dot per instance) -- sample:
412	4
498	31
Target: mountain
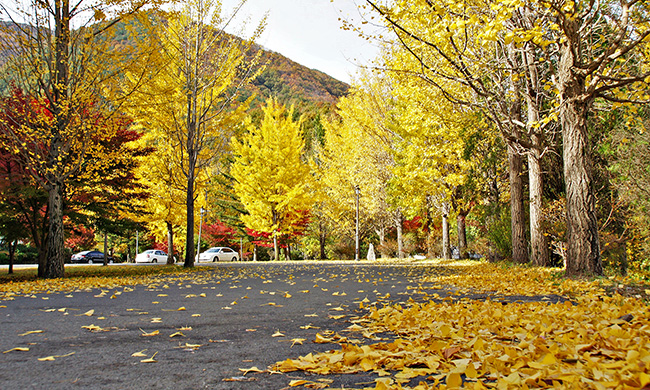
289	80
312	92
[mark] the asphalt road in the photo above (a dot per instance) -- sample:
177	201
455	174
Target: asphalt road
227	318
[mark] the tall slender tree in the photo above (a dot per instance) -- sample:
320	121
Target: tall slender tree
191	100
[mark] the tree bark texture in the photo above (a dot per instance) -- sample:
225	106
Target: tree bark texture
583	246
538	241
55	249
170	243
446	250
189	205
517	212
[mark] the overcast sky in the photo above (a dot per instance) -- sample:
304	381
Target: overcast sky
309	32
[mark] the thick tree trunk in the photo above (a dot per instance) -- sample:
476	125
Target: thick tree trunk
538	241
517	212
462	234
170	243
400	239
583	245
446	250
55	247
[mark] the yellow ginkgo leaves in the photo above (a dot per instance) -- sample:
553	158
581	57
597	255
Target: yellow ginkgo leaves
591	340
18	349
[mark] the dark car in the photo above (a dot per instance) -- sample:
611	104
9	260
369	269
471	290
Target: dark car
90	257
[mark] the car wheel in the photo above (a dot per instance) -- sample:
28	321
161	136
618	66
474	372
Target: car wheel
234	259
154	260
90	261
216	258
110	262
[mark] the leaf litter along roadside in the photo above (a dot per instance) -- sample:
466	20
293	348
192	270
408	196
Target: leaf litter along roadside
592	341
467	281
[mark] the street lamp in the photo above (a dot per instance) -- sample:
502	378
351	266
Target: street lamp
356	235
198	246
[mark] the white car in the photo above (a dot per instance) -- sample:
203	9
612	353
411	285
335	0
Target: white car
151	256
218	254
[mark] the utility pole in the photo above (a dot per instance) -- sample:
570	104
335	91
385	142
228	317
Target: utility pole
356	235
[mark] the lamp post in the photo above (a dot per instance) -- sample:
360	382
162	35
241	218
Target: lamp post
356	235
198	245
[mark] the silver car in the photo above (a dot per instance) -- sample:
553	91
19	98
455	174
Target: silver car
220	253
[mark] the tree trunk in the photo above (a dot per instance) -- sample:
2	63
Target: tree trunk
517	212
170	243
583	246
254	252
538	242
55	247
12	253
400	238
276	254
446	250
189	237
381	232
322	239
105	262
462	234
430	226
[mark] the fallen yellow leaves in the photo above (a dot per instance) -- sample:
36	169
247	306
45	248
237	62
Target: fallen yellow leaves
31	332
593	341
18	349
150	334
54	357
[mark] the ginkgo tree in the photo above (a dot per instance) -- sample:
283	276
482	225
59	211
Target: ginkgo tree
356	153
272	180
63	56
191	97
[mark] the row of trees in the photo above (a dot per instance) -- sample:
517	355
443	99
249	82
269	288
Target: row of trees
468	103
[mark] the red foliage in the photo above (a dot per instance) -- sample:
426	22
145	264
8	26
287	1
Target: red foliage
411	225
220	234
80	238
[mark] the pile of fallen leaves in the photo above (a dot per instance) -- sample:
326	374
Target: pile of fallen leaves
588	340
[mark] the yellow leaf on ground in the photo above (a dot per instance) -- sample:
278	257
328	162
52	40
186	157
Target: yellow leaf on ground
297	341
252	369
181	308
139	354
177	334
88	313
94	328
46	359
19	349
277	334
150	360
31	332
154	333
